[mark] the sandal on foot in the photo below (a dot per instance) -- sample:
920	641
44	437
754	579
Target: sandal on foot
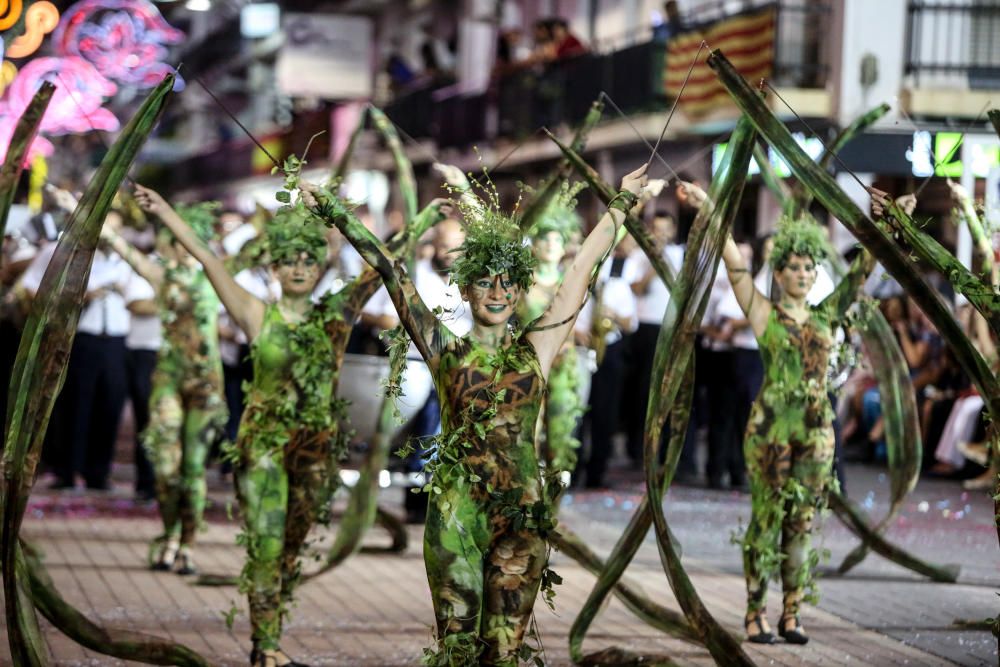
185	562
165	558
757	632
794	634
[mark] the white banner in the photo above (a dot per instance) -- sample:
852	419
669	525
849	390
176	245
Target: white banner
327	56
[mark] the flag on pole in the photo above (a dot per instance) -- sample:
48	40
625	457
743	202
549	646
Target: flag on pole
746	39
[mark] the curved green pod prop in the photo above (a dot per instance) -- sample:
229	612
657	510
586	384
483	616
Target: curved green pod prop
20	141
876	238
632	225
674	349
994	116
38	374
123	644
404	169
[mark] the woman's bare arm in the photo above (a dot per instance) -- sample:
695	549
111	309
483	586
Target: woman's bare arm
245	309
754	305
427	333
149	269
549	332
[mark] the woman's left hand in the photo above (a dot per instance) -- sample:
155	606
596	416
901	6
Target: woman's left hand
635	181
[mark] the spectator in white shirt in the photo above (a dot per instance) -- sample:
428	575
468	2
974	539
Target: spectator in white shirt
141	346
90	403
618	316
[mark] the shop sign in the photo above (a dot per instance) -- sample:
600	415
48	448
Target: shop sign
328	56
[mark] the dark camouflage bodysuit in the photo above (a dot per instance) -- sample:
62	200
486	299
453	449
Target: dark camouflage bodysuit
789	446
187	409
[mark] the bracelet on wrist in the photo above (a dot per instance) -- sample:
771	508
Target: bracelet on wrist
624	201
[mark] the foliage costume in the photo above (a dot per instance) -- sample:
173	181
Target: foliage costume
186	407
562	407
485	539
789	442
291	436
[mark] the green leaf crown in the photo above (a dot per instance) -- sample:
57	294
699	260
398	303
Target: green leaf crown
493	243
560	215
801	236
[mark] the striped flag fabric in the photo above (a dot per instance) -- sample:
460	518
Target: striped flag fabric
746	39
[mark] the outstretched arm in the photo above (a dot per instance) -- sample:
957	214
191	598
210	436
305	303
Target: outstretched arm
429	335
549	332
245	309
401	245
150	270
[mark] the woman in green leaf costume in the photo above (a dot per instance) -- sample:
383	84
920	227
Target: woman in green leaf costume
485	539
789	439
186	406
562	407
289	442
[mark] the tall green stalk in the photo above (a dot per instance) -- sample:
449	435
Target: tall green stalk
404	169
674	352
548	189
881	245
994	116
35	382
20	141
633	225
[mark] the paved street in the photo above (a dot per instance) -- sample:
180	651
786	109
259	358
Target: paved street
375	609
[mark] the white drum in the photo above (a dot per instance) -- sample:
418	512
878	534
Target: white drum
361	379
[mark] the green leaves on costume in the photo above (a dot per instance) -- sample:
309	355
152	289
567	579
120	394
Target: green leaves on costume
560	214
200	217
493	246
292	231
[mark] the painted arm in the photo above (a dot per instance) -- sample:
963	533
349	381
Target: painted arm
754	305
429	335
550	331
149	269
245	309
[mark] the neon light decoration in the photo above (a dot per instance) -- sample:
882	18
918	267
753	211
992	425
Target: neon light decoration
40	19
76	104
124	39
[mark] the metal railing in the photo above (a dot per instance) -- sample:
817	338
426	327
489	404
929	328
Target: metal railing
559	92
955	42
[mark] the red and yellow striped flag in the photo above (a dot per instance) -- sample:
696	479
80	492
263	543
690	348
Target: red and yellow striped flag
747	40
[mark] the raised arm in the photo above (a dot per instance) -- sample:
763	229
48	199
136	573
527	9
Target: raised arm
245	309
754	305
549	332
429	335
150	270
401	246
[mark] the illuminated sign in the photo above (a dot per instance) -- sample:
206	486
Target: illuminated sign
940	154
811	145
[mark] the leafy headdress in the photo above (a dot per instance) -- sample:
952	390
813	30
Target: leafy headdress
200	217
801	236
293	231
560	215
493	243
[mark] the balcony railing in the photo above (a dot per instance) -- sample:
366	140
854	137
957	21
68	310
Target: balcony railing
519	102
954	43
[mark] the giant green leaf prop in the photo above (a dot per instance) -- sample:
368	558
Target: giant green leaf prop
404	170
38	373
20	141
550	186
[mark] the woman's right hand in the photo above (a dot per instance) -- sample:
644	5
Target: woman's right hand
150	201
635	181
